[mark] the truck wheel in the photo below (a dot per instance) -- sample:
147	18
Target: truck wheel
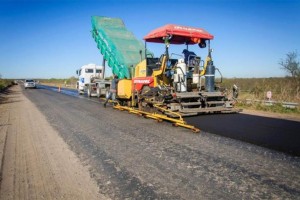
89	92
107	92
98	92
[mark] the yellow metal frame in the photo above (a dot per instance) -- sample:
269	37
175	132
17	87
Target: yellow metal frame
159	117
158	80
208	58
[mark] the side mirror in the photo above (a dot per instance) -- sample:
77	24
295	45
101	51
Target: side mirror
77	72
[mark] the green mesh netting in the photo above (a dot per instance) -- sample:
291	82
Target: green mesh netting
119	47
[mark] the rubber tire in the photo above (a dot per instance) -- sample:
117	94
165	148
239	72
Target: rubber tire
98	92
106	92
89	92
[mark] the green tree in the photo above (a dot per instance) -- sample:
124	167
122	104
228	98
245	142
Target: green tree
290	64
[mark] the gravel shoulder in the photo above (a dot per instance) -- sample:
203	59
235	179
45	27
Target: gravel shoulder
35	161
292	117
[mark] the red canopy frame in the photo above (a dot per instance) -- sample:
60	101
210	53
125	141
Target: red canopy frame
179	34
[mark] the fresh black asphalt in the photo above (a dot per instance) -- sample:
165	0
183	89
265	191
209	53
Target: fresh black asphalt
278	134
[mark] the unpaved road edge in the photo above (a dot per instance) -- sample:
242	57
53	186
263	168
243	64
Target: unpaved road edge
35	161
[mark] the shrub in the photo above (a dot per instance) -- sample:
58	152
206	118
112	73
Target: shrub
4	83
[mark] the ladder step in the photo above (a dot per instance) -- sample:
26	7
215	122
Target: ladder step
191	104
215	102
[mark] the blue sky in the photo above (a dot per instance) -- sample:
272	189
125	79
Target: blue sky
51	39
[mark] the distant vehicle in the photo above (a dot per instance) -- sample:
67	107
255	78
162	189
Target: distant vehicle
91	80
29	83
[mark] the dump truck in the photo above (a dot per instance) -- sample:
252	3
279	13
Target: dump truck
91	80
175	84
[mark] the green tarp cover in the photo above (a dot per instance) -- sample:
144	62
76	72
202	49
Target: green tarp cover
119	47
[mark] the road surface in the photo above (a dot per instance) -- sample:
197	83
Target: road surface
130	157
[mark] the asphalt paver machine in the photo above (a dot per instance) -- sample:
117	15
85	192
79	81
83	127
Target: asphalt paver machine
163	86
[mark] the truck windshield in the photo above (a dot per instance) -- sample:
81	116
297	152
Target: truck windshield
89	70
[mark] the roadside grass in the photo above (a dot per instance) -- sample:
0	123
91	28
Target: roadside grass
5	83
68	82
283	88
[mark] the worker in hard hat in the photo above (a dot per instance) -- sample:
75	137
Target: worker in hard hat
188	56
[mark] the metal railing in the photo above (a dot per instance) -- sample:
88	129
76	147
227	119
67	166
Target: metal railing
291	105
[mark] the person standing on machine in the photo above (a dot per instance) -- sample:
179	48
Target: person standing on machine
188	56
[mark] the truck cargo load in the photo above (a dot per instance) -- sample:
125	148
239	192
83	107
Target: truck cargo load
119	47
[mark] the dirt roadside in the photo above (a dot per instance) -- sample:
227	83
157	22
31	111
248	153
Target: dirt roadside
35	161
292	117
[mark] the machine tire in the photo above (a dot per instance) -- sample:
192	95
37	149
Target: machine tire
106	92
89	92
98	92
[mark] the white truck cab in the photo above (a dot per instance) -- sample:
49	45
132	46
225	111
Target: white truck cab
91	80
